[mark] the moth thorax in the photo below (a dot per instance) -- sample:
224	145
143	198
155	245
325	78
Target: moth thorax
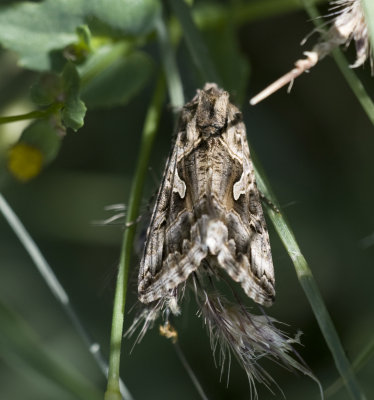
211	130
216	236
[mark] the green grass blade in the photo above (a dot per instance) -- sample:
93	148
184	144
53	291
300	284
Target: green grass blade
18	341
303	271
46	272
312	292
359	362
149	132
369	12
355	84
214	14
350	76
366	354
173	79
199	52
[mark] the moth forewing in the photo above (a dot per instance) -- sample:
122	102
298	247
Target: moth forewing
208	210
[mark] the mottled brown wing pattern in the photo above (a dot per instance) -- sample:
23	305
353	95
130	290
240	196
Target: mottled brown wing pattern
246	223
208	206
161	267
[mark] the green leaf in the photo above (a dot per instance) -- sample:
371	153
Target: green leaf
74	110
43	135
117	83
46	89
38	31
124	17
84	35
79	51
63	89
34	30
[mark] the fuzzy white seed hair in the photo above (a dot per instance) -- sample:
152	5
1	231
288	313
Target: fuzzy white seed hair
348	24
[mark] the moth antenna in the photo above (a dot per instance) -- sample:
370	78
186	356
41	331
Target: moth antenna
116	207
301	66
119	209
108	221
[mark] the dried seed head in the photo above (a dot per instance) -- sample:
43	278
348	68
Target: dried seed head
233	330
250	338
348	24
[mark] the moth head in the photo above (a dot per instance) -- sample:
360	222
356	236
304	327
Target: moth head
212	110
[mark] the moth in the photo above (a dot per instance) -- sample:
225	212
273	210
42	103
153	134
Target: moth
208	210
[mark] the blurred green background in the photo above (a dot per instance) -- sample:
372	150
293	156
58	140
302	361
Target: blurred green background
316	145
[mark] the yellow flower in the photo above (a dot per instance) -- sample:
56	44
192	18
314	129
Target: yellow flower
25	161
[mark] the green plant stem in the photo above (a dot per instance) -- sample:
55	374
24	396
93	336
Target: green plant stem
368	6
312	292
174	82
350	76
104	56
355	84
213	15
360	361
148	136
33	114
196	46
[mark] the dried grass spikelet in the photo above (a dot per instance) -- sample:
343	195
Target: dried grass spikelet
348	24
250	338
233	330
